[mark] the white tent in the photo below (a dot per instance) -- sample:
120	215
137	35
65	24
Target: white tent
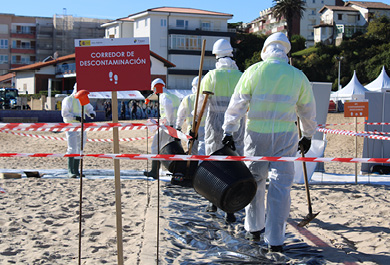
381	83
130	94
354	90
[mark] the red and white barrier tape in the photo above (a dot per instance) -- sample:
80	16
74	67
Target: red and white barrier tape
64	139
352	133
352	123
204	158
60	127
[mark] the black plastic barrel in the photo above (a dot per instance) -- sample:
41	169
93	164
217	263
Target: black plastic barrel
178	167
229	185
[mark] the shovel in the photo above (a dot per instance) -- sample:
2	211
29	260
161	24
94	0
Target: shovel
310	216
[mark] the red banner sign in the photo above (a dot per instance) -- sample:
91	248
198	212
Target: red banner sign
113	64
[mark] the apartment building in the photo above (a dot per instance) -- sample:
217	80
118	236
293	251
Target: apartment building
267	23
25	40
338	22
177	35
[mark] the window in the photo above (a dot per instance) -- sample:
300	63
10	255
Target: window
184	42
314	1
18	44
3	59
180	23
340	16
3	44
206	26
163	22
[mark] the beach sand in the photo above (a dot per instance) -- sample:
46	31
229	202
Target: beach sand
39	223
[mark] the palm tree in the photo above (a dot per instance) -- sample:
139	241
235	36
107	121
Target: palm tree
288	9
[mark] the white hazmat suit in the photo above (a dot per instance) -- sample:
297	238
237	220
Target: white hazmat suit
221	83
169	104
71	111
275	93
185	114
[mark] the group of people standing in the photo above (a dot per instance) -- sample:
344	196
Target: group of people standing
255	113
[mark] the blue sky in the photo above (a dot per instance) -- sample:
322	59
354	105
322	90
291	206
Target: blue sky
244	11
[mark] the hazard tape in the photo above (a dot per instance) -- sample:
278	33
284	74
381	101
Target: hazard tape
352	133
204	158
352	123
61	127
64	139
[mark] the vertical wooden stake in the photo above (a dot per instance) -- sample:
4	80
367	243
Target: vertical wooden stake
117	175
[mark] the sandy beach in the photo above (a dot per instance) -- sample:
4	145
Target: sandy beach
39	223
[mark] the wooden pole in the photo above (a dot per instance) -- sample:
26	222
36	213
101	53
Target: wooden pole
81	181
197	97
117	175
356	164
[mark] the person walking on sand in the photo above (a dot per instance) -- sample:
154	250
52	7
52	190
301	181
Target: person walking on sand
71	113
221	82
169	104
275	93
185	114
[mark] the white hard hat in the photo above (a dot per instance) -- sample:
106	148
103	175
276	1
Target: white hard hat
277	37
195	81
222	48
194	84
157	81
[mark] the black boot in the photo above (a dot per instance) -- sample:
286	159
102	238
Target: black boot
71	173
154	172
76	164
230	217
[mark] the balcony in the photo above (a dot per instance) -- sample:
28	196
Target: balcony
23	50
22	35
199	32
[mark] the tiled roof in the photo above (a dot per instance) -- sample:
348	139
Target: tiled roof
38	65
368	5
337	8
184	10
6	77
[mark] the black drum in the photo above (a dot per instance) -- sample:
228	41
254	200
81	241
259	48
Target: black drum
178	167
229	185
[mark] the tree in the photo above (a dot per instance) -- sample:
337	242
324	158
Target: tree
298	43
379	28
245	46
288	9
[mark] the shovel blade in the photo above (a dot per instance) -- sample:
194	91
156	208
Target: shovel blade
308	218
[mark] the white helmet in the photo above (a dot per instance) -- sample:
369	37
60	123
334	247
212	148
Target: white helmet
222	48
157	81
194	84
277	37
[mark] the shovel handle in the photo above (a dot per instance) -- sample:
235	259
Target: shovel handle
304	171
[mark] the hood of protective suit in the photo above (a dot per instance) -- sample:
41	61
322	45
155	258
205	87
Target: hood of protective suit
275	50
226	63
74	89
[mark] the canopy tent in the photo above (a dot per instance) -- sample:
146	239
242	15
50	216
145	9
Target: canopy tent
354	90
130	94
381	83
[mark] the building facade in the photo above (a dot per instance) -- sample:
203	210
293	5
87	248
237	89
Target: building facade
339	22
26	40
267	24
177	35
